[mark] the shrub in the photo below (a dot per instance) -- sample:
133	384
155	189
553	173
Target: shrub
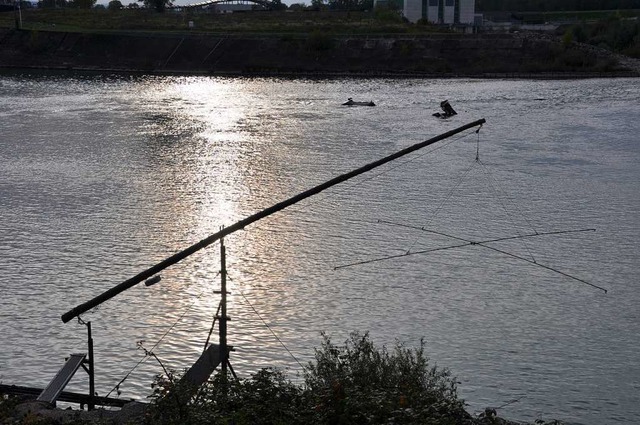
266	398
115	5
354	383
387	15
357	383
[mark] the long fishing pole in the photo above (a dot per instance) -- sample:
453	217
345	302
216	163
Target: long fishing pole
482	243
150	272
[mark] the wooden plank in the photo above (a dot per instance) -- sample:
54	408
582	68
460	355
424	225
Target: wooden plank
66	396
204	366
62	378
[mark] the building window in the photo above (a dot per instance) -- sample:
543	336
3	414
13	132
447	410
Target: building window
433	2
449	3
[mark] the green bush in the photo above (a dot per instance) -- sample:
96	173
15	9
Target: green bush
359	384
387	15
615	34
354	383
266	398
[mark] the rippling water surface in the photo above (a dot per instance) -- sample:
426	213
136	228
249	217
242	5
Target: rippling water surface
102	177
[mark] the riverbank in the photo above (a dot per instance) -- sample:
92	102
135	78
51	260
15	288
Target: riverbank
527	55
135	413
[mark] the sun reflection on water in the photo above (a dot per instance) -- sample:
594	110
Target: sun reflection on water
220	153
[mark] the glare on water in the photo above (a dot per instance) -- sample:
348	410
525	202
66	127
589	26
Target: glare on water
102	177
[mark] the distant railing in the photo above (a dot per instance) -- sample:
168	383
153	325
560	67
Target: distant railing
264	3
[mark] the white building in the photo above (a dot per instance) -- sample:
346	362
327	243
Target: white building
440	11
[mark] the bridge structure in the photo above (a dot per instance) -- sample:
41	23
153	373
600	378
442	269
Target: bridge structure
232	4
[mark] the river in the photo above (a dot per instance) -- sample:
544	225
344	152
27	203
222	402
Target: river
102	176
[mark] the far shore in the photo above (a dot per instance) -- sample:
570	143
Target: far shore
497	56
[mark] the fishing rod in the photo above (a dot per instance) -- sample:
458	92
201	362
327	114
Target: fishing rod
152	271
467	242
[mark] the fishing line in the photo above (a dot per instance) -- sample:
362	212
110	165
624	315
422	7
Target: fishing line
271	330
444	202
343	189
478	143
350	187
543	266
454	189
406	254
468	242
491	180
144	359
245	236
482	244
510	402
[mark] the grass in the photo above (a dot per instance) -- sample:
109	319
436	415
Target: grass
573	16
258	22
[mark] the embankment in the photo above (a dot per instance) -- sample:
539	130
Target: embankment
440	55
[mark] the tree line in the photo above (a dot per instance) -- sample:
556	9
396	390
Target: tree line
341	4
553	5
361	5
353	5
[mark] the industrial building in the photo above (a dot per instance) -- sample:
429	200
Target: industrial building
440	11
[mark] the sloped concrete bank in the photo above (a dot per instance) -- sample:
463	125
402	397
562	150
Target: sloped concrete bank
438	55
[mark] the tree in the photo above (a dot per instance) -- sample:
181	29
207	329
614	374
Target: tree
318	5
297	7
51	4
115	5
158	5
278	5
350	4
82	4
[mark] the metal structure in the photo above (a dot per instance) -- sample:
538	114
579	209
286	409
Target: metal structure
266	4
215	355
54	389
152	271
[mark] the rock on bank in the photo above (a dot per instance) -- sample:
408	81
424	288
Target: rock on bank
317	53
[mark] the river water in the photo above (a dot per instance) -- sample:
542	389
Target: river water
104	176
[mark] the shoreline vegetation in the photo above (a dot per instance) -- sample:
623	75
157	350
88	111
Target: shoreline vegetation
351	383
308	44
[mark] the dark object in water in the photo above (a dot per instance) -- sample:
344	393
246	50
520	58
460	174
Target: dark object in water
448	110
351	102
